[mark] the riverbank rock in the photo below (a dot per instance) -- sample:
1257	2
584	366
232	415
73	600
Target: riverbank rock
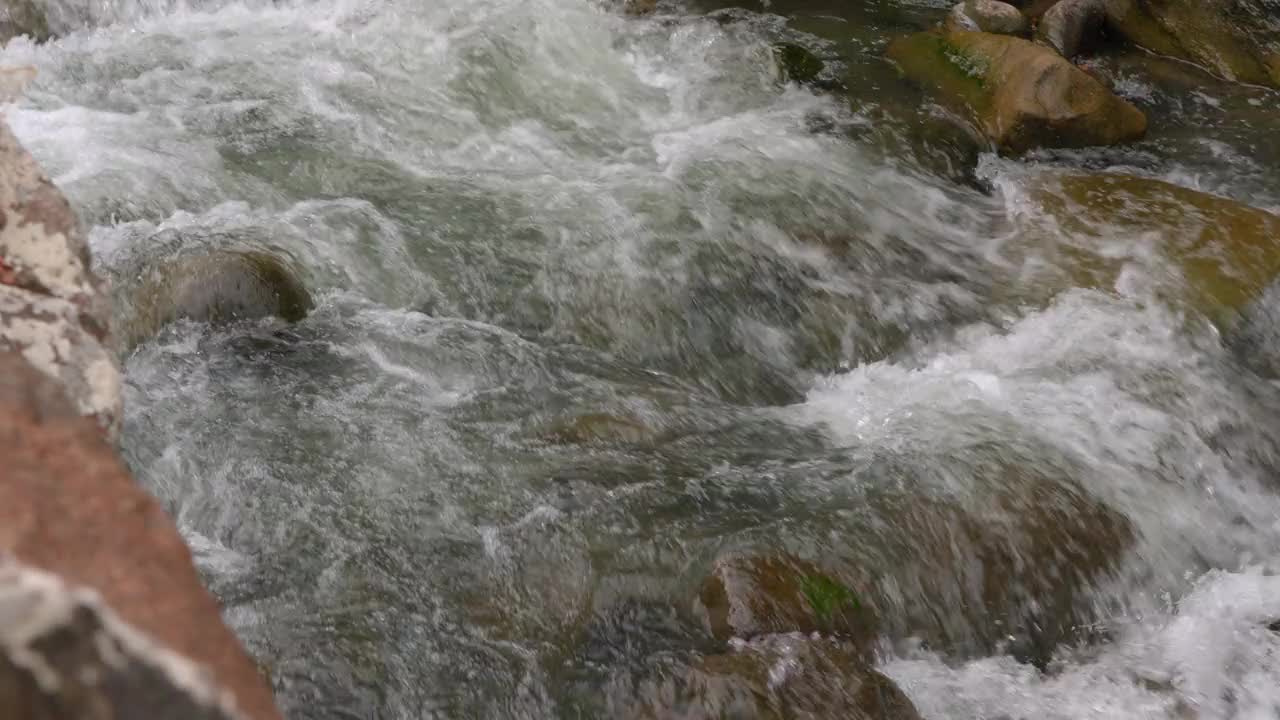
1237	39
990	16
217	288
774	677
52	309
69	507
1021	94
1228	252
63	656
746	596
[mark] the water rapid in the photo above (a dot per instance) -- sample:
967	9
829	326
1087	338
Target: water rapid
600	296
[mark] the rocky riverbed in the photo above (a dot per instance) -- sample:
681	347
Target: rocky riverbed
808	358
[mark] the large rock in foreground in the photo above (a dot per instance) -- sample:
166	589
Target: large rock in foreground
1020	94
69	507
63	655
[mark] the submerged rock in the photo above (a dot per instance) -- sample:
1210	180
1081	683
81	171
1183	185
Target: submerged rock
23	17
217	288
990	16
639	7
797	63
1005	565
774	677
1238	39
747	596
1021	94
1228	252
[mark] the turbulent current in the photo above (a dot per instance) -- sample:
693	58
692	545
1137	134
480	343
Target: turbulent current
600	297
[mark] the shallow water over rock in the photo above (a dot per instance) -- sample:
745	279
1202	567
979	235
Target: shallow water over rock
600	299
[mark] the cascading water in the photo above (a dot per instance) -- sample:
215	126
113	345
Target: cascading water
599	296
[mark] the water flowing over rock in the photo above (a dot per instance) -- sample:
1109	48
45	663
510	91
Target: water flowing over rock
1225	250
1022	95
216	288
778	677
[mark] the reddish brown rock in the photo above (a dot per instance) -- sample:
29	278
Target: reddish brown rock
68	506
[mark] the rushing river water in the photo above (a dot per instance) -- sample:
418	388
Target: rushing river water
600	296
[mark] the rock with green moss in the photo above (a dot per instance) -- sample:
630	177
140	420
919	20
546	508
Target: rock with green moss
797	63
217	288
775	677
749	595
1237	39
1021	94
990	16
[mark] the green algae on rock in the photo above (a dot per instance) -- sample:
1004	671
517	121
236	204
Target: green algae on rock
1021	94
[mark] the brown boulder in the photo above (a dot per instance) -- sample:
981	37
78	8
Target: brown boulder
1228	252
1022	95
69	507
779	677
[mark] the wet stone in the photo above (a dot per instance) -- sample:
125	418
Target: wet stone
748	596
777	676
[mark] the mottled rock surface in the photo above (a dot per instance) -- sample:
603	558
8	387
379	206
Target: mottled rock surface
52	309
63	655
1022	95
68	506
1071	26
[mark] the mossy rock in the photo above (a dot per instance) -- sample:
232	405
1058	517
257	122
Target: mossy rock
746	596
770	678
217	288
1021	94
1228	252
797	63
1238	39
